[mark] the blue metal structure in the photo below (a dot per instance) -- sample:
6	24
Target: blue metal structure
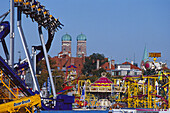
5	27
63	102
15	78
38	13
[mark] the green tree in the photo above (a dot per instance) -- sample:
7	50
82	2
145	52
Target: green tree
58	79
57	75
98	72
42	72
91	63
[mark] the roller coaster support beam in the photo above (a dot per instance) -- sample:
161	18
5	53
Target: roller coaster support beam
26	49
34	60
11	62
4	16
34	57
5	49
46	59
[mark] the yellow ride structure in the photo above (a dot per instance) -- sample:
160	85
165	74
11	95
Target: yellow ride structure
143	91
25	104
13	100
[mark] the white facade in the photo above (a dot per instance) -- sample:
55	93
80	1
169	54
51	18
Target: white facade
125	69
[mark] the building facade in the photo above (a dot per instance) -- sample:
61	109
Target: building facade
81	45
65	59
66	45
126	68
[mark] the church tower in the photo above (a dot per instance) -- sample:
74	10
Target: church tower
66	44
81	45
145	57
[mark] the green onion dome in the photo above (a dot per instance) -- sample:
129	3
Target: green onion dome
81	37
66	37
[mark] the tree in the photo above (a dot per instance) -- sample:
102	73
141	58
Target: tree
57	75
91	63
98	72
58	79
43	74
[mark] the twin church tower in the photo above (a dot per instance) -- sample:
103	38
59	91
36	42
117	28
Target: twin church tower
66	45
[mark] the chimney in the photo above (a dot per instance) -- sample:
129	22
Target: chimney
113	62
132	62
98	63
110	64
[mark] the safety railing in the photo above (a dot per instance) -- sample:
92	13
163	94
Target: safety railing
9	88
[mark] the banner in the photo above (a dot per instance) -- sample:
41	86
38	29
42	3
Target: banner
48	86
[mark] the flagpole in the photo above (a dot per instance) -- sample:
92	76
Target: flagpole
84	93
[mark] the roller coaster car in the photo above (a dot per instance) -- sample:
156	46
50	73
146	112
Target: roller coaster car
26	7
40	11
54	23
46	14
48	22
51	19
33	11
39	16
44	22
33	7
55	27
29	7
38	4
18	3
36	18
58	24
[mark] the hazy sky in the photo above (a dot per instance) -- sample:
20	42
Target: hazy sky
119	29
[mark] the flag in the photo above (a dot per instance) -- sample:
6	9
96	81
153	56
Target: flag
65	89
49	86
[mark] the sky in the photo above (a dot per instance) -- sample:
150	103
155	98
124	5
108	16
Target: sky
119	29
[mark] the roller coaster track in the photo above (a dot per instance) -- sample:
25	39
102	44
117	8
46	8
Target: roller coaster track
10	81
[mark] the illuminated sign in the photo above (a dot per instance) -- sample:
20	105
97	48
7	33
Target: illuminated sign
154	54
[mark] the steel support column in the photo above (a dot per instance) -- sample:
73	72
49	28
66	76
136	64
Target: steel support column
47	60
11	61
26	50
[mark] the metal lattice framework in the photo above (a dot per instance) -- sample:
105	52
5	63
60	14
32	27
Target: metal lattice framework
143	91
